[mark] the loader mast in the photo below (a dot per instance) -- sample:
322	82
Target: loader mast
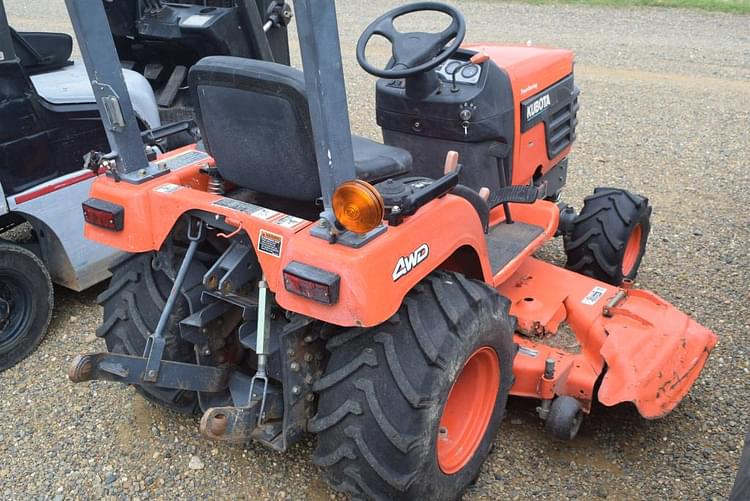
326	95
112	98
7	52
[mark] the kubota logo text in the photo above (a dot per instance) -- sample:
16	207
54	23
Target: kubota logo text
407	263
538	106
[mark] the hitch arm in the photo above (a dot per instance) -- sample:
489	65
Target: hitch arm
156	343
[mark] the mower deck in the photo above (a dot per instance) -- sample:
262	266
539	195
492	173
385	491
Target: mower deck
652	351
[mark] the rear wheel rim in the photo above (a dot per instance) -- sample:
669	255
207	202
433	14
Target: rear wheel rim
632	250
468	410
15	294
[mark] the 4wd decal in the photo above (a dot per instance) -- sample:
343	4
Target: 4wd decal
407	263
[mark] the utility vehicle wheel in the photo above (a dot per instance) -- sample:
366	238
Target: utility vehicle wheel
132	305
741	488
564	418
26	299
409	409
609	236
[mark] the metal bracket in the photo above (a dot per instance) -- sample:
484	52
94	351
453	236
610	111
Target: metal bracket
128	369
232	271
347	238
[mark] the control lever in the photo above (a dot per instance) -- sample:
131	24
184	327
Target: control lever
478	59
279	14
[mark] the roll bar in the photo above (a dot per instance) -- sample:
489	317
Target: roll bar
324	82
7	51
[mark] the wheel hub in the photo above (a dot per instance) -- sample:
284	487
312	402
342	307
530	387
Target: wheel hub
15	310
632	250
468	410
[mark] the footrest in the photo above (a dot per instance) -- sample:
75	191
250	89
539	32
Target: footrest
514	194
130	370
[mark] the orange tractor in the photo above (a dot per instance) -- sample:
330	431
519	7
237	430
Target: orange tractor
287	277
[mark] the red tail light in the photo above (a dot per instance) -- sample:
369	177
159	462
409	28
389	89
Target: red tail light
103	214
311	282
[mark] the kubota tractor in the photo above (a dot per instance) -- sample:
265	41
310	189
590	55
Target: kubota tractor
293	278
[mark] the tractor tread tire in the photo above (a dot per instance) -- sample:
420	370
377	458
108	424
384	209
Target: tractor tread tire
35	273
132	306
381	397
596	245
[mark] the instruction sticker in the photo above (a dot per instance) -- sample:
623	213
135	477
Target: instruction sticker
196	21
528	351
290	222
264	214
594	296
167	188
237	205
270	243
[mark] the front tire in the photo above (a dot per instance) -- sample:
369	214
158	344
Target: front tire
133	303
409	409
609	236
26	302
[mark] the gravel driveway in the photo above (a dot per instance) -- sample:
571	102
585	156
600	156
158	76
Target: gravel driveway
664	111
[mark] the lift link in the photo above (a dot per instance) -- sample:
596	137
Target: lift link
261	347
156	343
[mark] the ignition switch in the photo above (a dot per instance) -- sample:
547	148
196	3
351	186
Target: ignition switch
465	116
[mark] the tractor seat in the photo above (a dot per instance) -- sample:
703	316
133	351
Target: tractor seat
255	122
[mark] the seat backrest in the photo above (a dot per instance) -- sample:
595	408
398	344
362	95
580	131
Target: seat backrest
41	52
255	122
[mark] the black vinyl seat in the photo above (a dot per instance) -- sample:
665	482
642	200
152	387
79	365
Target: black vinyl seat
255	121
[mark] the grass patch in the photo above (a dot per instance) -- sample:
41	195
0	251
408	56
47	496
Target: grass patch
732	6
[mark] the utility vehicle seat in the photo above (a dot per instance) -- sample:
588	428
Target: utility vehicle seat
255	122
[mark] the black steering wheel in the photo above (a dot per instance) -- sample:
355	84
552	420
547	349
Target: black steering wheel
414	52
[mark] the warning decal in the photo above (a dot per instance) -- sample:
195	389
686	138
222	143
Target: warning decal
594	296
270	243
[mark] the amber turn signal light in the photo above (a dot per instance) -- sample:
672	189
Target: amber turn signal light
358	206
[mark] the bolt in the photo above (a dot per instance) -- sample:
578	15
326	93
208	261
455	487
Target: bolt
308	379
549	368
323	223
308	339
308	357
310	397
290	352
142	173
207	352
296	390
395	209
294	366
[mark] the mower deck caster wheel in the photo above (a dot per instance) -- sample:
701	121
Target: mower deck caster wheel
565	417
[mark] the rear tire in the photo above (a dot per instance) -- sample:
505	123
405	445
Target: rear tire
385	419
609	236
133	303
26	302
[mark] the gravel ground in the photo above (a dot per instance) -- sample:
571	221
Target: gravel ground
664	112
